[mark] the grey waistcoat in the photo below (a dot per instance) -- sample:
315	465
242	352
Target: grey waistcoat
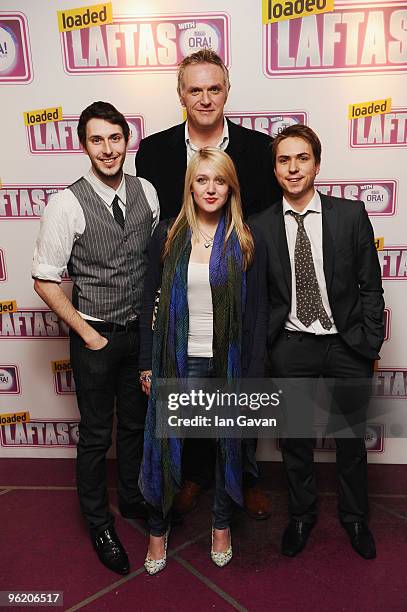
108	264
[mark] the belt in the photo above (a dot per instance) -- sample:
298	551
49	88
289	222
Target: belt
104	326
300	334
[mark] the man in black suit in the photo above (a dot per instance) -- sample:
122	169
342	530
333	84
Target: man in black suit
162	158
326	320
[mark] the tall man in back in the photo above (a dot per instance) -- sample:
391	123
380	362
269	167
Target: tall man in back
326	320
203	87
99	229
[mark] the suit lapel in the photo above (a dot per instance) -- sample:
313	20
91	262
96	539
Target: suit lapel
329	232
236	144
279	237
177	162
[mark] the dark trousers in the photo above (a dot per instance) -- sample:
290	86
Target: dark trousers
296	354
100	377
201	367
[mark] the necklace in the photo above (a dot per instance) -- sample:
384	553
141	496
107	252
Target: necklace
208	240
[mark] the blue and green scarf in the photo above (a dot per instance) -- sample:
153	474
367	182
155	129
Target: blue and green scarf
160	475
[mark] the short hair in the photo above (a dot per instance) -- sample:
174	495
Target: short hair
101	110
297	131
204	56
224	166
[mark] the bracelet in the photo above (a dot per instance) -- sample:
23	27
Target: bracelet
146	378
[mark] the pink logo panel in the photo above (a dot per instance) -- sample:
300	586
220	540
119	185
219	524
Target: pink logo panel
40	433
379	131
32	324
270	123
15	53
379	197
61	136
144	44
355	38
393	262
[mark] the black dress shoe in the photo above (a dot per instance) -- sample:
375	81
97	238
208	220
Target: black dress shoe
361	539
110	550
135	511
295	537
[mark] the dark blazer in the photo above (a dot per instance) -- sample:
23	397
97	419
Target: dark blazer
351	267
255	312
162	160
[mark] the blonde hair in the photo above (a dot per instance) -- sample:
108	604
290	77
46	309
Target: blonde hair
187	216
204	56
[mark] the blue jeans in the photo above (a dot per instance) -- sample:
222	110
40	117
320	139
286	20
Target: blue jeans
202	367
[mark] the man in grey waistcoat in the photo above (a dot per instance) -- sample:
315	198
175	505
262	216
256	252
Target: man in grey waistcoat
99	229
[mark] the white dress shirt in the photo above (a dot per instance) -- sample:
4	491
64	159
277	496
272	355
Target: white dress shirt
313	227
222	144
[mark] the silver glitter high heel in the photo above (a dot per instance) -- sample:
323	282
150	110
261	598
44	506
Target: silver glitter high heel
153	566
222	558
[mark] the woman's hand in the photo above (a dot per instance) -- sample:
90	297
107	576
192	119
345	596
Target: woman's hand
145	381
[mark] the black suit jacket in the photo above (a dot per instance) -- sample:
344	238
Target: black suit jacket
351	267
162	160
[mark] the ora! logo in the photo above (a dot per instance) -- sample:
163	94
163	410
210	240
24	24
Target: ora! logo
9	380
15	54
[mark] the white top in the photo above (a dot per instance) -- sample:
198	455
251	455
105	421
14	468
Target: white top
313	227
200	334
222	144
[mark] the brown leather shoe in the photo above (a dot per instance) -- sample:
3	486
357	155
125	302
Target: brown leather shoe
187	499
256	503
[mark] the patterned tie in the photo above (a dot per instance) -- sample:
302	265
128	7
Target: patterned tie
309	301
117	212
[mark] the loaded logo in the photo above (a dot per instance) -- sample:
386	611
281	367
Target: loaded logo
43	115
393	262
14	417
25	201
9	380
32	323
144	44
368	109
379	197
61	136
63	377
385	130
15	53
359	38
85	17
274	11
3	272
41	433
8	306
271	123
387	323
390	382
379	243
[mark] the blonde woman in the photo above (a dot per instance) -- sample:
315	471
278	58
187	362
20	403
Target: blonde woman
211	322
